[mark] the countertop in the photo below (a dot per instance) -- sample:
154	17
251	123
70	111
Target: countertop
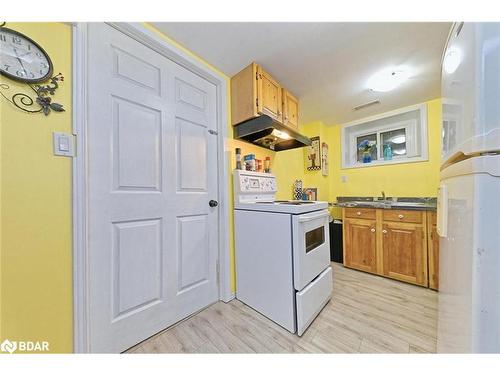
389	203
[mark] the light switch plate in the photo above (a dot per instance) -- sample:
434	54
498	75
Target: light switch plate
63	144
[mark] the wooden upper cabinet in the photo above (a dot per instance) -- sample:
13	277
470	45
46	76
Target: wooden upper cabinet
405	252
433	251
269	96
244	97
360	244
255	92
290	109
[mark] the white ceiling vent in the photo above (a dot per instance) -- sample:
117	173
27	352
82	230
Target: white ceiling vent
365	105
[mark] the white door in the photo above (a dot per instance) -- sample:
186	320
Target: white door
152	170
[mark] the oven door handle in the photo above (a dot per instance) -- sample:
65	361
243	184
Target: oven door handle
320	215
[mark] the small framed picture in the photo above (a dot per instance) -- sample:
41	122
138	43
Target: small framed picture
314	155
311	193
324	159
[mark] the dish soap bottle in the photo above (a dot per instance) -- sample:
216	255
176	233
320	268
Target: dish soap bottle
388	152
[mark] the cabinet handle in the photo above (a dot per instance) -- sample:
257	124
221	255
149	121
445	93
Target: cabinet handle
401	216
358	213
384	231
372	230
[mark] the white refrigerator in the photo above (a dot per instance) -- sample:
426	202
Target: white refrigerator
469	192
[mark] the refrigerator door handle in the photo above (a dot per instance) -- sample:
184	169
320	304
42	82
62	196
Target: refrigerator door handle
442	211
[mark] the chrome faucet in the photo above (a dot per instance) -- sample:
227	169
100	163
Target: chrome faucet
383	195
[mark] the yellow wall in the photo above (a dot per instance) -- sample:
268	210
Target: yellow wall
36	260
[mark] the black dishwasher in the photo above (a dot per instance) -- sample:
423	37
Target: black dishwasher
336	243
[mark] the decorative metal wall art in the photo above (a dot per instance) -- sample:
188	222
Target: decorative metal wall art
42	102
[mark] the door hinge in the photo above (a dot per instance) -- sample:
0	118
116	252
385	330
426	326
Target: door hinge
256	76
257	102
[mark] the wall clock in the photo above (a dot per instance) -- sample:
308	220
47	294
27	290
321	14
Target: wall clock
22	59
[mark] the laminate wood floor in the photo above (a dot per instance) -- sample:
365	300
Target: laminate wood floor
367	314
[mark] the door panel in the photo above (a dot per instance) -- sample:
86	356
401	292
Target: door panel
152	168
360	244
290	110
269	94
136	272
136	146
193	267
404	255
192	150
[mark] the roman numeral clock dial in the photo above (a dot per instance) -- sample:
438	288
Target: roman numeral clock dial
22	59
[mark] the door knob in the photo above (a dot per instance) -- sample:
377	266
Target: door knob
373	229
213	203
384	231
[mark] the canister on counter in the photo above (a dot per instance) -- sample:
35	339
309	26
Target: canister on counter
238	158
267	164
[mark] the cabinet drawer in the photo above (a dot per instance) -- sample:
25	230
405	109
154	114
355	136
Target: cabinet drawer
360	213
403	216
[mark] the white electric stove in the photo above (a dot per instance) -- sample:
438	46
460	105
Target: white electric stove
282	252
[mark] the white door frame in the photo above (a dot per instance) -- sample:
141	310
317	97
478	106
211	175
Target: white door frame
152	40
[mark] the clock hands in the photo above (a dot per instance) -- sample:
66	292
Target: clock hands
19	59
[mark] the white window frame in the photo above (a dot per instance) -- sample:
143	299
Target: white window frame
414	144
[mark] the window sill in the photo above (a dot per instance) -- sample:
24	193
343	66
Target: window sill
380	163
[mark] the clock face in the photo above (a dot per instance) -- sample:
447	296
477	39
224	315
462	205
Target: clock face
22	59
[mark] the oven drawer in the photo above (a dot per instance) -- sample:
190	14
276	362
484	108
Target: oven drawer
360	213
312	299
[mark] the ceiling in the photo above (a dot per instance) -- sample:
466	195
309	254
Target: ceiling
326	65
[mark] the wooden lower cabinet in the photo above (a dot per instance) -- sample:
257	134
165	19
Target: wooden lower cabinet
404	249
433	250
360	245
392	244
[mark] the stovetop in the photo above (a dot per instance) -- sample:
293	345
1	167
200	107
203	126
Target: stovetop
285	207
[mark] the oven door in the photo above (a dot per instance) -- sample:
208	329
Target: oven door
311	246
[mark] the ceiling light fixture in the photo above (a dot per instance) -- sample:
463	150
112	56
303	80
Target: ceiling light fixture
388	79
452	60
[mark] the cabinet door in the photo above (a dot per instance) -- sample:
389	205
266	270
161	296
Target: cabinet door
360	245
290	110
433	251
405	252
269	96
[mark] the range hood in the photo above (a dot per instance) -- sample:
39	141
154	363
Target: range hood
266	132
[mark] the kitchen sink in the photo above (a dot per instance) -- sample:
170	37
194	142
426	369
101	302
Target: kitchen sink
410	204
374	204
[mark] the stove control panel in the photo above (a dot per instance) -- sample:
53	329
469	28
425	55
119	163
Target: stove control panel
254	186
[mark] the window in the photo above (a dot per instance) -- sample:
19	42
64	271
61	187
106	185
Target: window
314	238
395	137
